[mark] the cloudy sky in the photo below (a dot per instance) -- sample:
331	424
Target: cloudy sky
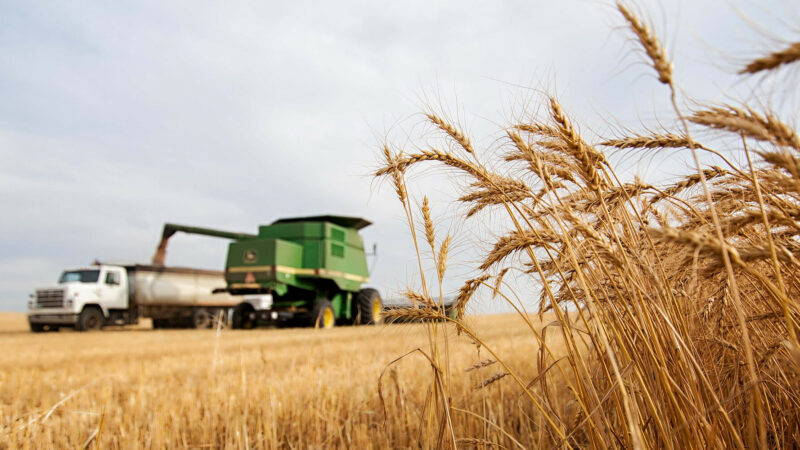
116	117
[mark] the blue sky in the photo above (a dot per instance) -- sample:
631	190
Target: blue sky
120	116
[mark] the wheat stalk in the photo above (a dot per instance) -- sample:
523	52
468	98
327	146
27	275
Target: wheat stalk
428	223
466	292
417	298
396	173
774	60
453	132
481	364
517	241
441	263
763	127
423	313
653	141
491	380
448	159
652	47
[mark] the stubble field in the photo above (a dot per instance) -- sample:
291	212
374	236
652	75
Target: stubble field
294	388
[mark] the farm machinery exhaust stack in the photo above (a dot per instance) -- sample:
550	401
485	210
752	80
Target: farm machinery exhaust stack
305	269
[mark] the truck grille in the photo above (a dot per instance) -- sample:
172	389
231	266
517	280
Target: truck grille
50	298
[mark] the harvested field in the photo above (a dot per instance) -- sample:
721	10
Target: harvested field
138	388
13	322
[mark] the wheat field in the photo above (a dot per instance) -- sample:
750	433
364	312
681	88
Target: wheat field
668	311
269	388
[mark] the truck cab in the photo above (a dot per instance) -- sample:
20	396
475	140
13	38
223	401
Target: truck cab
84	298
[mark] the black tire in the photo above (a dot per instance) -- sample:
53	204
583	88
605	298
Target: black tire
36	327
322	315
91	319
201	319
159	323
240	321
369	307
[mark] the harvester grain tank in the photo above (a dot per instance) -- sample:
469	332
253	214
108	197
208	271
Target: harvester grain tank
306	269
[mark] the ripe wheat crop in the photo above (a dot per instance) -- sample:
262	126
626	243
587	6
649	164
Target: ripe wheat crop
676	305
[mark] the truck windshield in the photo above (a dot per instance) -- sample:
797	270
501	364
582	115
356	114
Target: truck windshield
81	276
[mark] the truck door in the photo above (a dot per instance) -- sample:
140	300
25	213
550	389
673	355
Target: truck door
114	289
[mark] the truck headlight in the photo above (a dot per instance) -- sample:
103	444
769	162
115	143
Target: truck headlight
69	303
30	304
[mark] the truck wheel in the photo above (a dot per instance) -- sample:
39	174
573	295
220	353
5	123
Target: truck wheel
369	307
201	318
241	318
36	327
322	315
91	319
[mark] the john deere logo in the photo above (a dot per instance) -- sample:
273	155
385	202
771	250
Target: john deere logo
250	256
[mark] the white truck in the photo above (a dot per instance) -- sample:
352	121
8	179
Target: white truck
105	294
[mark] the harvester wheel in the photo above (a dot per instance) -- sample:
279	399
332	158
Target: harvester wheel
240	319
201	318
369	307
322	315
91	319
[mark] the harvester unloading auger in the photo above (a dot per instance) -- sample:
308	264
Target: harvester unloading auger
170	229
304	269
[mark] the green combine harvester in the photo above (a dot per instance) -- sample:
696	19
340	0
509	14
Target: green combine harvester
304	270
